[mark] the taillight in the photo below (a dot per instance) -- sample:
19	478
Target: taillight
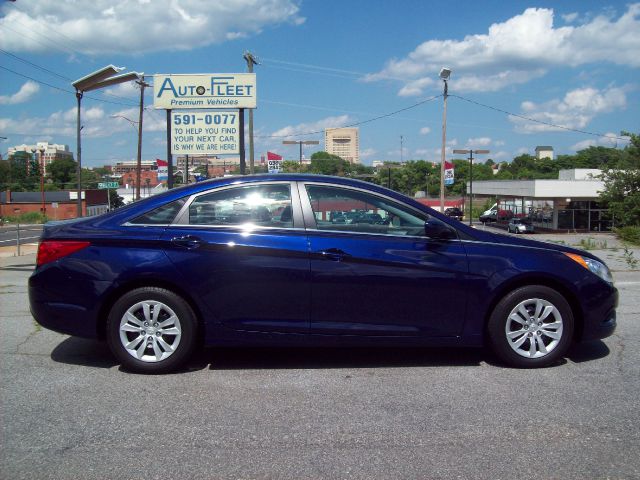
51	250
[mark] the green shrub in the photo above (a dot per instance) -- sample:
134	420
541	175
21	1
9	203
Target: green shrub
629	234
27	218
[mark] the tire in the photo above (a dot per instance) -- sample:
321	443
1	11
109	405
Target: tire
537	339
148	343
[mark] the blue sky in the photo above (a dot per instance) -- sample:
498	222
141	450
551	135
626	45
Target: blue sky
332	63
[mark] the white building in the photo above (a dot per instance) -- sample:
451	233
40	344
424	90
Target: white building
544	152
43	151
570	203
343	142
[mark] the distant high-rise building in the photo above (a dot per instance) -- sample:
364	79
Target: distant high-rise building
343	142
52	151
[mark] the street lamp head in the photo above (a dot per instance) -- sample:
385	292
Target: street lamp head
82	83
122	78
445	73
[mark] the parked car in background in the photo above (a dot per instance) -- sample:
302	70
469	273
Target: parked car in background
519	225
490	215
258	260
454	212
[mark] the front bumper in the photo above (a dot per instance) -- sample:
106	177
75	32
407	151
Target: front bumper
600	320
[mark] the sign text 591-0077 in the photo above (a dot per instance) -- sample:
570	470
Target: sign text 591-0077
205	132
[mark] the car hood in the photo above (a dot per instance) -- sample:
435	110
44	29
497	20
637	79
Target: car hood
525	242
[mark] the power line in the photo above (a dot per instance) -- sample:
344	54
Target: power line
34	65
536	120
54	73
379	117
67	91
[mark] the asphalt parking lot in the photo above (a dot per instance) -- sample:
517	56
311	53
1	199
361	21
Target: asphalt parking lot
68	411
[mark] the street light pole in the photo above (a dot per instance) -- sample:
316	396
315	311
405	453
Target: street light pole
300	142
142	84
79	164
471	152
105	77
44	207
445	73
251	61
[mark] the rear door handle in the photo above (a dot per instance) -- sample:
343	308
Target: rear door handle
334	254
188	241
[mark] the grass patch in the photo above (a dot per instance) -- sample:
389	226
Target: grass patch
629	234
590	243
29	217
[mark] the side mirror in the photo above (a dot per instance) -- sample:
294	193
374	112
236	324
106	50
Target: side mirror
438	230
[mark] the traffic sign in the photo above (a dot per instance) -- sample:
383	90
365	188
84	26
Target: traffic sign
104	185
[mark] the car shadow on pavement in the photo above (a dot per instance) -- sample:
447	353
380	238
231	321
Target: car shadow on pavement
94	353
588	351
312	358
84	352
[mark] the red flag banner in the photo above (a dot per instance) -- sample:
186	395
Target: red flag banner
273	156
448	173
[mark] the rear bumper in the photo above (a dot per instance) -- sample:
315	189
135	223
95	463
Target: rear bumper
63	306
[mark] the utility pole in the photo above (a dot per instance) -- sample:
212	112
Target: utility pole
471	152
445	73
401	148
142	85
251	61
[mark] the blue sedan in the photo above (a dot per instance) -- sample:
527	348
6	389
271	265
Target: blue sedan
266	260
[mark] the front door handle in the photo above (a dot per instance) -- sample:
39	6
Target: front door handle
188	241
334	254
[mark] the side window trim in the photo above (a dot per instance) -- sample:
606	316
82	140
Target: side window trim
310	219
182	219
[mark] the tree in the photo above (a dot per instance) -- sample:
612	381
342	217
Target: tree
116	200
62	172
622	185
324	163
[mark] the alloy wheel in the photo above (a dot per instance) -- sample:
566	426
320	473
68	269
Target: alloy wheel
150	331
534	328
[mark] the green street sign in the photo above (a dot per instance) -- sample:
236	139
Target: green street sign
104	185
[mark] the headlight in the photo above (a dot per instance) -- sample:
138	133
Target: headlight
594	266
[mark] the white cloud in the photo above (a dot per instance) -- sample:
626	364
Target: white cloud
423	151
500	155
608	140
115	26
319	126
522	150
368	152
127	90
518	50
570	17
96	123
575	110
499	143
478	142
425	131
26	92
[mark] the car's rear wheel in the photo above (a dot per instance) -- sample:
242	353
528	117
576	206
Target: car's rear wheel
151	330
531	326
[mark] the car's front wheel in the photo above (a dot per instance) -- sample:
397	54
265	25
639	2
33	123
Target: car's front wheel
531	326
151	330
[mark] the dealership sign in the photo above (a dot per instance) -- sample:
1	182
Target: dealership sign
212	90
205	132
